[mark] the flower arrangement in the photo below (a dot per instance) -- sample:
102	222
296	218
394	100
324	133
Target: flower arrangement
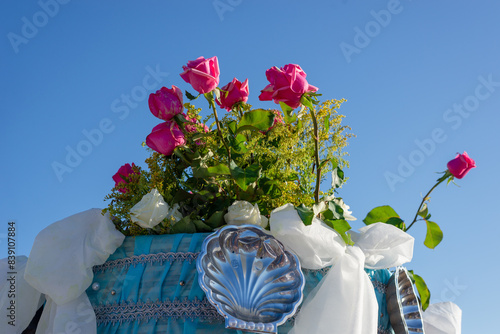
254	159
248	162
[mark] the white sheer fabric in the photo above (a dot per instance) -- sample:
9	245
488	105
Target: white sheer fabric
60	266
345	301
24	297
443	318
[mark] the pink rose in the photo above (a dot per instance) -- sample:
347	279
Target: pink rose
287	85
233	92
202	74
122	176
461	165
166	103
165	137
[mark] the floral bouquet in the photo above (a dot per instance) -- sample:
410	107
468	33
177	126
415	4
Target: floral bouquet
237	164
241	167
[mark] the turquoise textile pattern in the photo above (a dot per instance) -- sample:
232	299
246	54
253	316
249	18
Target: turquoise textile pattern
150	285
380	278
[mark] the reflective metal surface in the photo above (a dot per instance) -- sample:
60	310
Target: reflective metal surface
250	278
403	305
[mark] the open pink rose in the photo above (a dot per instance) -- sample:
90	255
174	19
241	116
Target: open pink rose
202	74
122	176
165	137
233	92
461	165
166	103
287	85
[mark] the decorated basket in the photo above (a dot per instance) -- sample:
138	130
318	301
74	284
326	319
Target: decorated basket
150	285
227	227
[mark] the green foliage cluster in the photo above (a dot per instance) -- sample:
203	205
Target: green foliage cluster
266	157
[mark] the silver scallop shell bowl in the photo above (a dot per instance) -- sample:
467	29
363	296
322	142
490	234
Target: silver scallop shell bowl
403	305
250	278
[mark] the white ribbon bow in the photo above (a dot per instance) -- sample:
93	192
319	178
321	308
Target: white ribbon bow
344	301
60	266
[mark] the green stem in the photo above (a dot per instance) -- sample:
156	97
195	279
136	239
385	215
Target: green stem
212	104
441	179
316	154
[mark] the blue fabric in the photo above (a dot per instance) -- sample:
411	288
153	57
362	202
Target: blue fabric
145	285
382	276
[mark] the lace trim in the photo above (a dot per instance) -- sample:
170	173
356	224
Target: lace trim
379	286
147	258
144	311
321	271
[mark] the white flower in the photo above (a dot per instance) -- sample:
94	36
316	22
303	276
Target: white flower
345	207
243	212
174	213
150	210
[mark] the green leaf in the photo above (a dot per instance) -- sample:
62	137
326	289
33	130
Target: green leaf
434	235
216	219
323	163
232	127
424	211
245	177
423	290
185	225
270	187
287	113
380	214
398	222
190	96
258	119
337	177
342	227
305	213
181	195
326	124
220	169
201	226
238	144
200	172
306	101
334	211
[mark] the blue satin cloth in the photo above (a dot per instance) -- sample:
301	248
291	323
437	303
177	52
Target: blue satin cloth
150	285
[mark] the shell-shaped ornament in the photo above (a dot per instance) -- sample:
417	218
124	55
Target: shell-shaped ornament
250	278
403	305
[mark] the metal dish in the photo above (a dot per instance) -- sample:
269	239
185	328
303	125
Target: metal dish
403	305
250	278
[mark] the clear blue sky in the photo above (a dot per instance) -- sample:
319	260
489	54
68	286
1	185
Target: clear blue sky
422	80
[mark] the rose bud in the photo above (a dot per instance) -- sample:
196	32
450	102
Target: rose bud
202	74
232	93
166	103
165	137
461	165
287	85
